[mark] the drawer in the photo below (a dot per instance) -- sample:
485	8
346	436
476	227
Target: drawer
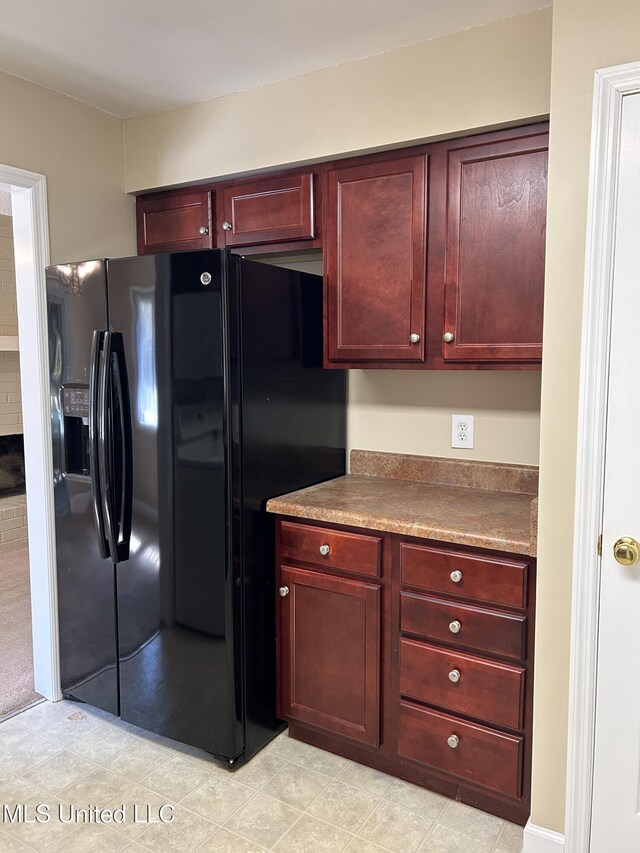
486	689
482	755
351	552
464	575
464	625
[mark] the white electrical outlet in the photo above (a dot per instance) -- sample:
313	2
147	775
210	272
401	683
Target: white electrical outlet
462	431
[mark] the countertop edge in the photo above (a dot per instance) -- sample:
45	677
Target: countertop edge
280	506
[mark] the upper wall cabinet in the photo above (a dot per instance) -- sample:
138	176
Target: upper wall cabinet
433	256
496	197
174	221
271	210
375	268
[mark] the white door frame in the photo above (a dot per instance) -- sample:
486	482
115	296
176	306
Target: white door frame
31	249
611	85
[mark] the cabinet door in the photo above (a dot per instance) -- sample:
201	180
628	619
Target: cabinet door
269	211
495	241
174	222
375	245
330	653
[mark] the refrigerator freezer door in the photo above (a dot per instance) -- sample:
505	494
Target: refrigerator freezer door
76	305
176	624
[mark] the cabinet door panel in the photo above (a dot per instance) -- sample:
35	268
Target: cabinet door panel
269	211
173	223
495	241
330	664
375	246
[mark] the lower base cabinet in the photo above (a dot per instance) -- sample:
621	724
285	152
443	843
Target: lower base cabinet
330	646
413	657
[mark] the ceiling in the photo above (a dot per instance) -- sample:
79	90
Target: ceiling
130	57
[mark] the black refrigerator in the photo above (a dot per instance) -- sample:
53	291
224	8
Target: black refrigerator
186	390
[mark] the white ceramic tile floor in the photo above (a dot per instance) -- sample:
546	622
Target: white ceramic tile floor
292	798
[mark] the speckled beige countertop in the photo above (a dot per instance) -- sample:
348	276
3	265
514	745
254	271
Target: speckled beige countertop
483	504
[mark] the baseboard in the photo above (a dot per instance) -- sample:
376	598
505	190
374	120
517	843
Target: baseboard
537	839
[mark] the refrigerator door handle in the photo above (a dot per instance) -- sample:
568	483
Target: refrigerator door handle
94	409
122	438
105	454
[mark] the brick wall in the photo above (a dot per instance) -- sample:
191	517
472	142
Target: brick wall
13	524
10	400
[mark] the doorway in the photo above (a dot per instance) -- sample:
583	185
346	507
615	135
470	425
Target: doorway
29	231
16	648
603	783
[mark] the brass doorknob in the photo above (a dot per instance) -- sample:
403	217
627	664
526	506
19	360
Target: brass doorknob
627	551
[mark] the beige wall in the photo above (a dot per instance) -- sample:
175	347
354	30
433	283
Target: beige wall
410	412
80	150
8	310
587	34
473	79
10	396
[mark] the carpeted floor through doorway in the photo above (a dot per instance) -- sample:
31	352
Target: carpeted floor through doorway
16	649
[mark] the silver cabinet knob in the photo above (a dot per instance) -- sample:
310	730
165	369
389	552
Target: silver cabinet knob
203	230
448	337
324	550
227	226
454	675
453	741
456	576
414	338
284	591
455	626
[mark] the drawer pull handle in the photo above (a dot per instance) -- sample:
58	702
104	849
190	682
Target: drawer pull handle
324	550
453	741
284	591
455	626
456	576
454	675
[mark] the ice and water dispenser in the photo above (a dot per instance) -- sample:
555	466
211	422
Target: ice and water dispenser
75	411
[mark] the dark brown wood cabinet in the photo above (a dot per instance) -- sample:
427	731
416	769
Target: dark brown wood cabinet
433	256
330	648
268	210
375	248
174	222
495	241
443	247
422	670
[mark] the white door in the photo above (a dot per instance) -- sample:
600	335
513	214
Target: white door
615	824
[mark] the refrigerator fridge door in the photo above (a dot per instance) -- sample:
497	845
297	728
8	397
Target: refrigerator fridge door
176	622
77	314
293	432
